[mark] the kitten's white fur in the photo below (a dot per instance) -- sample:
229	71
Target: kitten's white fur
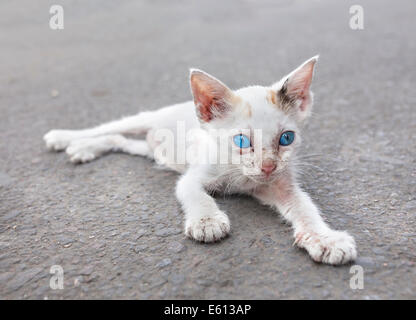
221	108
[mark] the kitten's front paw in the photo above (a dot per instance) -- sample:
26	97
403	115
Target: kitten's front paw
332	247
58	139
208	228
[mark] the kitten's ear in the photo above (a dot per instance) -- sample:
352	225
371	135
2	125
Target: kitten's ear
295	94
212	98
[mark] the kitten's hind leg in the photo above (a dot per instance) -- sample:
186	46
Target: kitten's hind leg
140	123
88	149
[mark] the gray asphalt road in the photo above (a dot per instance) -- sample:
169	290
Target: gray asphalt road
114	224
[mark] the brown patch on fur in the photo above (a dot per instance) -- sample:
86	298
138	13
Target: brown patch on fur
236	100
281	99
248	108
272	97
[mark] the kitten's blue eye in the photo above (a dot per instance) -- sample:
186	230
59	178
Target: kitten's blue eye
242	141
287	138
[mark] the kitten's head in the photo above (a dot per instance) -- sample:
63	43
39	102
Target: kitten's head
261	123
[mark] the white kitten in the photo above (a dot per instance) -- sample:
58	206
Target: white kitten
258	127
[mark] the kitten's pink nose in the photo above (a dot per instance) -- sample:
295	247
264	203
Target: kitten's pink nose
268	166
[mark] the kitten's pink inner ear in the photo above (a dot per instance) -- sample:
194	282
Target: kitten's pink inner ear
211	96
